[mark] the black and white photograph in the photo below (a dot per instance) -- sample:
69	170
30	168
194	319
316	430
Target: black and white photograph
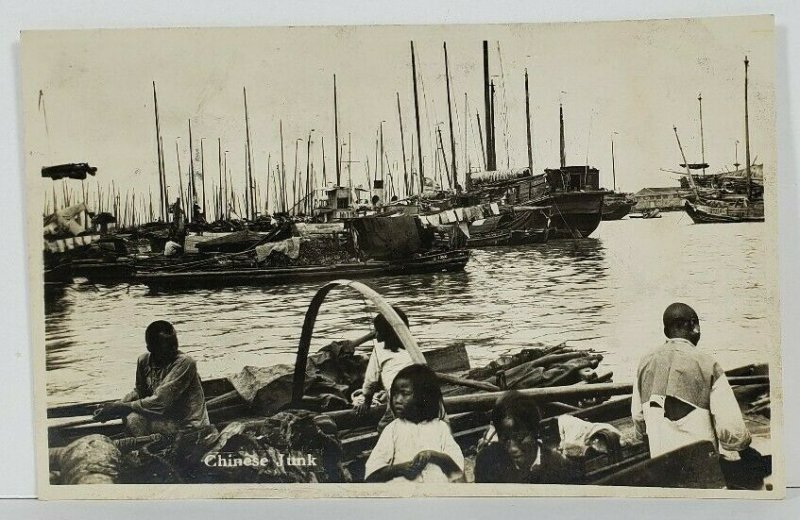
399	260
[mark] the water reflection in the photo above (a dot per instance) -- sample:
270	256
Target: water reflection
606	292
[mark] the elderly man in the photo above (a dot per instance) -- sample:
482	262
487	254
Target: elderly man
168	398
681	395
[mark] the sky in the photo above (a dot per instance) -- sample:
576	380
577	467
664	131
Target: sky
634	80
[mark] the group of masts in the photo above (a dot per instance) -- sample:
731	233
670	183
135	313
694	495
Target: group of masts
271	195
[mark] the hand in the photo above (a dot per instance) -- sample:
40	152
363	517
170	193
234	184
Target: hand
409	470
363	408
111	411
422	459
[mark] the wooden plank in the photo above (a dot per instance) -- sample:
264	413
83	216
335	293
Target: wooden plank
452	358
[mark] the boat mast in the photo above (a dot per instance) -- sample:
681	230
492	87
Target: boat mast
487	95
561	135
746	131
203	174
686	163
450	119
402	143
248	199
528	123
336	133
192	192
444	157
702	140
493	143
159	151
416	114
220	206
283	172
480	137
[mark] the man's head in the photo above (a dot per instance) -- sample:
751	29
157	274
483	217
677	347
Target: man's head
384	332
162	341
680	321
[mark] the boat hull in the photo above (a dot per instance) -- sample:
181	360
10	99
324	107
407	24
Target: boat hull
616	210
575	214
703	214
449	261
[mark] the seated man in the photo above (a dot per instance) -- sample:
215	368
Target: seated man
168	398
681	395
517	457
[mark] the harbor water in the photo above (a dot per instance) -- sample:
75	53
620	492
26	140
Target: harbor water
607	293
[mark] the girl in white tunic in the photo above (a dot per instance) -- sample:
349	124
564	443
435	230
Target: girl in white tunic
417	446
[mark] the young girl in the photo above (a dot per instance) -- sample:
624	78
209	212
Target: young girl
387	359
417	446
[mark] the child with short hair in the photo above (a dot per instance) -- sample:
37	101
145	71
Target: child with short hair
417	446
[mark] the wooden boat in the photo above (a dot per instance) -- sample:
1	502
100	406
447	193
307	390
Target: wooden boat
745	207
431	262
469	413
724	211
616	206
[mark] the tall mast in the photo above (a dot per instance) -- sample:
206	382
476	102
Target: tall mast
702	139
444	157
180	182
561	134
192	193
324	172
336	134
349	164
416	114
220	216
161	176
203	174
308	176
528	123
487	94
248	200
746	130
402	142
283	173
450	117
492	147
484	151
226	208
381	132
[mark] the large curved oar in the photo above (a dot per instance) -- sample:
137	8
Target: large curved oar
382	306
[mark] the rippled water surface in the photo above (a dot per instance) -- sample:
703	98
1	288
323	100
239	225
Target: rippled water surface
606	292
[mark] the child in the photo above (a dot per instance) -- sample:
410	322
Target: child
417	446
385	363
517	456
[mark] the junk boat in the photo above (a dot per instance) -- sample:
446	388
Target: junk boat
727	208
256	411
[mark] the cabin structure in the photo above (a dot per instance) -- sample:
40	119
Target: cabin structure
664	199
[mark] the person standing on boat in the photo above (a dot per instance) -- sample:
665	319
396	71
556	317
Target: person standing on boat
681	395
387	359
168	397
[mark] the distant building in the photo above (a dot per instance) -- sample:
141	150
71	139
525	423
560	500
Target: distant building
664	199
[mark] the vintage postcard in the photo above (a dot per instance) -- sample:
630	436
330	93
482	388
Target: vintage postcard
405	260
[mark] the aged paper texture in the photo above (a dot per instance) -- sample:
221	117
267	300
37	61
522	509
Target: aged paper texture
364	261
